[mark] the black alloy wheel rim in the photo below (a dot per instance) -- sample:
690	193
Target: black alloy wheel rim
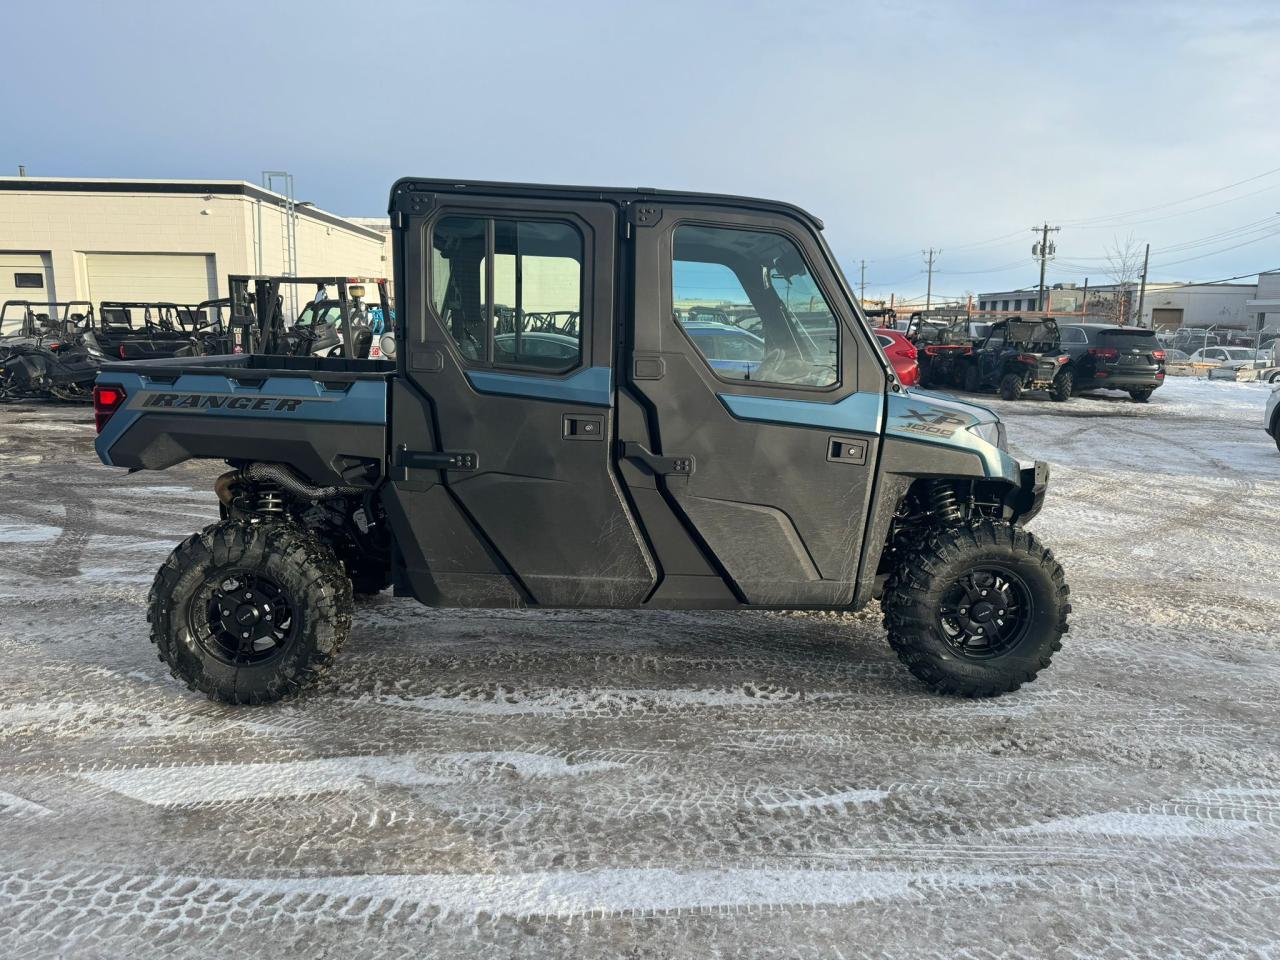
244	619
985	613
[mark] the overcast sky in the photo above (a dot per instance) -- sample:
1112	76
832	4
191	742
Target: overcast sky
903	124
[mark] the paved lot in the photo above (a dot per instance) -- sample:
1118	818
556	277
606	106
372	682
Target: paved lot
498	784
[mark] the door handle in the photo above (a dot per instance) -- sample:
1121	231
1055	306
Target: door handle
579	426
680	466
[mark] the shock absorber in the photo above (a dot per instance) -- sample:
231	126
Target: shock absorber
270	500
943	503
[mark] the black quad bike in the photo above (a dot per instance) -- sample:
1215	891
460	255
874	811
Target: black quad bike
1019	355
621	469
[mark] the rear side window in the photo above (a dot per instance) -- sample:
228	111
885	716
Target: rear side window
509	292
1073	335
754	290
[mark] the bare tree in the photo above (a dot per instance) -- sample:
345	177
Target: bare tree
1124	263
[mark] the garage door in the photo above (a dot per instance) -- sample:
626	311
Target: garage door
26	276
151	277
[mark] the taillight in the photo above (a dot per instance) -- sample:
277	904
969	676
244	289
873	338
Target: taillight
1157	354
107	398
909	351
122	356
1027	358
1106	353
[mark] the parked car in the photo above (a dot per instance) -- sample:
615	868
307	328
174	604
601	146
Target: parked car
1018	355
1271	419
901	353
1233	357
1116	358
730	350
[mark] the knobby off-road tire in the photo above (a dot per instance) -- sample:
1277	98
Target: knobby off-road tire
1063	386
286	590
931	584
1140	396
1011	387
972	383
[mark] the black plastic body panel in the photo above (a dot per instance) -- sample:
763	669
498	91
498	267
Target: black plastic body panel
316	450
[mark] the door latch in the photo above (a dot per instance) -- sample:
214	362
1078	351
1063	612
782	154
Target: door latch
680	466
407	460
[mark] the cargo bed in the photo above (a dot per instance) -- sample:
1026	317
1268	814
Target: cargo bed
285	409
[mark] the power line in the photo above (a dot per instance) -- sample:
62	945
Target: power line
1172	203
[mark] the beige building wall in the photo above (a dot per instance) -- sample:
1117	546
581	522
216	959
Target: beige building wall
71	225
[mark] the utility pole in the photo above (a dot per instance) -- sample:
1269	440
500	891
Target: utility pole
1043	251
928	296
862	286
1142	290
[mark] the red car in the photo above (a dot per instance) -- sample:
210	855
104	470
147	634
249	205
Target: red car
902	354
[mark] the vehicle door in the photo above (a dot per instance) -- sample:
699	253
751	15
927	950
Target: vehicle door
770	464
512	343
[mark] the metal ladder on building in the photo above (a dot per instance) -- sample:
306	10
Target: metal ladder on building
281	182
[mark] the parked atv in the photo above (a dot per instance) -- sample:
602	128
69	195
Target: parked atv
137	330
42	353
1018	355
943	347
627	472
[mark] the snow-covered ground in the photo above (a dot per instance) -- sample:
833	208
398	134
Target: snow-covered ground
498	784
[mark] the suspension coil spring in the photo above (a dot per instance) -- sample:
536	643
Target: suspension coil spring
943	502
270	500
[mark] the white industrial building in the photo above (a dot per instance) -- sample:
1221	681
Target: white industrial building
167	240
1241	307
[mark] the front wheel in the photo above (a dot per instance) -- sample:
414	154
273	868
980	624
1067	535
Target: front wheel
1140	396
1011	387
250	612
976	611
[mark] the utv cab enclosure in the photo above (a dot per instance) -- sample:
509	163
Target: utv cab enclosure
499	461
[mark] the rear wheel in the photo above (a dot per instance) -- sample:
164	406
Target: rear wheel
1011	387
1140	396
1063	386
250	612
976	611
971	380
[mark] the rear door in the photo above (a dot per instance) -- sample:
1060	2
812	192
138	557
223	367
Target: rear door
768	464
513	347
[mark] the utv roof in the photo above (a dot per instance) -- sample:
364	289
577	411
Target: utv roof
614	194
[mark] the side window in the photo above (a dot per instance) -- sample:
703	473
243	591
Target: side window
751	307
1073	335
535	268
